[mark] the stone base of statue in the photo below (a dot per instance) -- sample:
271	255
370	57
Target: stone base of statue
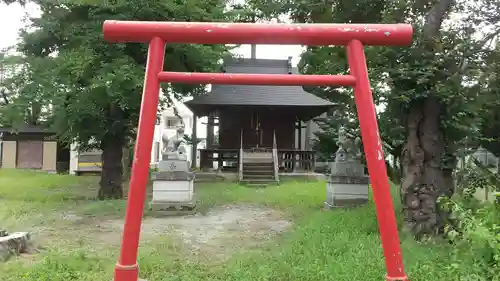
173	189
347	185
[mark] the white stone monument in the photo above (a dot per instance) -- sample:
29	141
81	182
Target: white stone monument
347	183
173	183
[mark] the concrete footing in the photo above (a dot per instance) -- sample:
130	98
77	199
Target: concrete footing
172	209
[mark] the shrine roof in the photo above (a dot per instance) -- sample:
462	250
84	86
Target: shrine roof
251	95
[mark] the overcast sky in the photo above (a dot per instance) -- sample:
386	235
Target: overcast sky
11	20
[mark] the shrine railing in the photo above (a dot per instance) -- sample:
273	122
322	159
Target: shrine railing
296	160
226	159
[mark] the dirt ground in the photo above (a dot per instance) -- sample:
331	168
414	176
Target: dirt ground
219	231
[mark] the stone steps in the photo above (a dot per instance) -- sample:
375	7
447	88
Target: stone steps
258	174
258	168
258	171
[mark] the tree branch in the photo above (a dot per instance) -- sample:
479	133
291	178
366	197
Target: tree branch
434	20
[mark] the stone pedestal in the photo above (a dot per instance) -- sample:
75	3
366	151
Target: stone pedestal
347	185
173	189
173	165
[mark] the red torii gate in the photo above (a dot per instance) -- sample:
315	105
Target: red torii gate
353	36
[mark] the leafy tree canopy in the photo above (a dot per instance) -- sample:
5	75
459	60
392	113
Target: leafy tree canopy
93	89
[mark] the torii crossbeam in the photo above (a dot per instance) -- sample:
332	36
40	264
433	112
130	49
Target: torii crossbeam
353	36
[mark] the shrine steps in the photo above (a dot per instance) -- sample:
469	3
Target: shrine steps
258	169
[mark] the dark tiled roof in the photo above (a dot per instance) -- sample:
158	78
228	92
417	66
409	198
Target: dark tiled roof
258	95
30	129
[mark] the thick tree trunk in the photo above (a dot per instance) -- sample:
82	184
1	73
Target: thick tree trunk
424	179
112	169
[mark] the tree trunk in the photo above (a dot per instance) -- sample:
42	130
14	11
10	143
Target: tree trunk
126	162
112	169
424	179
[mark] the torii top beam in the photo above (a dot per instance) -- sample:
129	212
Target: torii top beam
258	33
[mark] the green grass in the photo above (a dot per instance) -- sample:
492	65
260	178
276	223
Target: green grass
40	186
341	245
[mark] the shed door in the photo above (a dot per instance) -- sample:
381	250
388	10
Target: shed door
30	154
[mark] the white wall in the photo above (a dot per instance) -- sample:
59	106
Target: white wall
187	118
73	160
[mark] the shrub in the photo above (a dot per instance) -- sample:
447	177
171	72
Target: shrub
474	230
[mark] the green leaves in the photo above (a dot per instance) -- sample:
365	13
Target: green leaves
24	99
94	88
476	243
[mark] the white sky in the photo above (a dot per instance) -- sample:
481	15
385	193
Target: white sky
11	20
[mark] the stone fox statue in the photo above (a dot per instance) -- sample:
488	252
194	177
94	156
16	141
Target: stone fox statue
173	147
351	148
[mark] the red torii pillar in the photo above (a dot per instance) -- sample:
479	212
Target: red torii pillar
353	36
